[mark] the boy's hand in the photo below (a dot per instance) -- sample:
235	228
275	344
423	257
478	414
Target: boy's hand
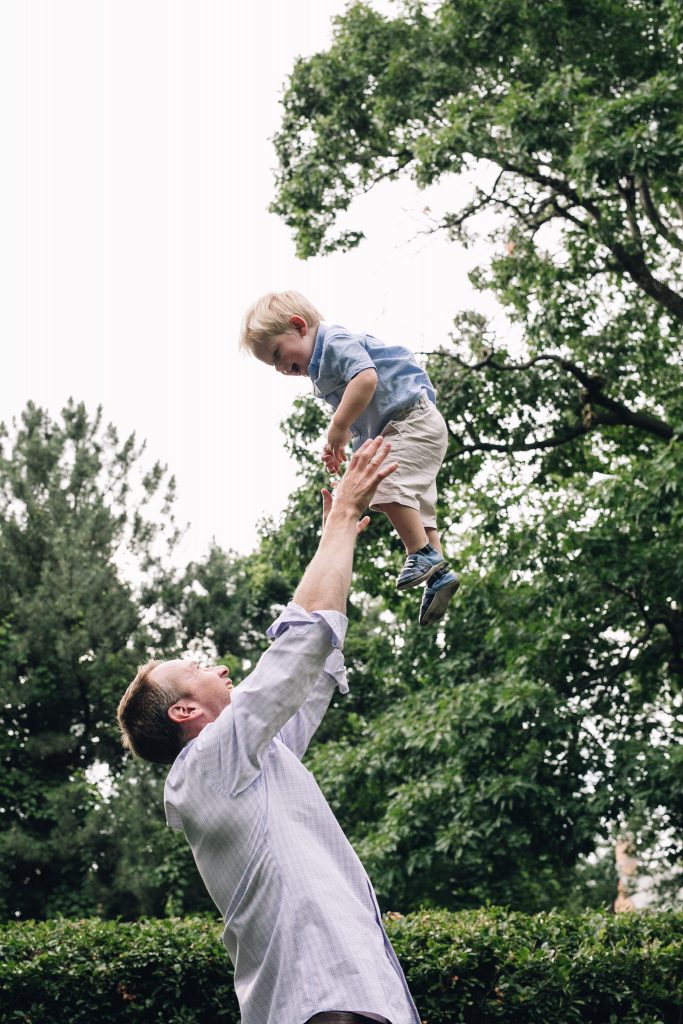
331	464
337	440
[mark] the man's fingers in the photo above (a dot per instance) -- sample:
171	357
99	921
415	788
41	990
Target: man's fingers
365	445
367	450
327	504
386	470
362	524
379	454
372	451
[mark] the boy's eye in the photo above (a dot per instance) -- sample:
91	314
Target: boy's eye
276	355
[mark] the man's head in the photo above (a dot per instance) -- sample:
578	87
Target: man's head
280	329
169	703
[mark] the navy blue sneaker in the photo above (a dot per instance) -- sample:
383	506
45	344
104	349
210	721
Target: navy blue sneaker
436	596
418	568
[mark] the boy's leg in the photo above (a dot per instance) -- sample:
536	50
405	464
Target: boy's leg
440	587
419	443
433	538
408	525
423	560
444	583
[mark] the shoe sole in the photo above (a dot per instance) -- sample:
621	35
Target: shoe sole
425	576
439	605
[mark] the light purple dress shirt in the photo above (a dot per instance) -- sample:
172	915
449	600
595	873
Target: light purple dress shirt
302	925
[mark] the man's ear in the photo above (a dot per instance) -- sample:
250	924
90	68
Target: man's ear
184	711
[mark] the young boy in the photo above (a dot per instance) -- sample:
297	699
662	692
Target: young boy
374	389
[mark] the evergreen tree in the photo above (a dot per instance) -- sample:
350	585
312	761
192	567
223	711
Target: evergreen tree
72	631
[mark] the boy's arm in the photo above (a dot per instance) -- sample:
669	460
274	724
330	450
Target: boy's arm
357	396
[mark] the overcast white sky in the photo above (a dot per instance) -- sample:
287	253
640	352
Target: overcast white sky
136	176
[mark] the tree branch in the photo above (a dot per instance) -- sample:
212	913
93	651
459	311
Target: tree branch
653	215
557	185
528	446
632	263
639	272
672	622
591	394
628	194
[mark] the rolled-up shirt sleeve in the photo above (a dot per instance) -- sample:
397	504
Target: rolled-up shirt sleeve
295	615
305	647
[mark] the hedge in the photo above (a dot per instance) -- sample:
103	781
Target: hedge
474	967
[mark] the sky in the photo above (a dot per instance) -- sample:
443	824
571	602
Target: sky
137	173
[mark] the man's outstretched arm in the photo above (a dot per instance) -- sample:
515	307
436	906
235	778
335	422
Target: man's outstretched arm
325	584
304	637
302	726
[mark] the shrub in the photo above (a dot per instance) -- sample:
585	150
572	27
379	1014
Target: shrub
474	967
493	965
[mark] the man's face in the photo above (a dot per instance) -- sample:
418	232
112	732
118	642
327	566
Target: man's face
205	692
289	353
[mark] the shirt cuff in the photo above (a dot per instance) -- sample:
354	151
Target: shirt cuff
336	670
295	615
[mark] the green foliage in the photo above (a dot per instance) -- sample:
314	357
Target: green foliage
71	635
491	965
489	761
476	967
171	971
486	762
143	868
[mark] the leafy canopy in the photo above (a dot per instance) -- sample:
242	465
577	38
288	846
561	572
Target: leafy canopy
549	711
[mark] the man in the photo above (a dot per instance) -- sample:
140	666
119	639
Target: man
302	925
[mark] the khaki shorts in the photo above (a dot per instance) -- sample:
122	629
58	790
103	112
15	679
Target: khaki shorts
419	440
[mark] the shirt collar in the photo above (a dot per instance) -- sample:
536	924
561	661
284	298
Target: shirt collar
314	364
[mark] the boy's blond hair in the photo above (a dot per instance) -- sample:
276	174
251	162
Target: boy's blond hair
143	718
270	316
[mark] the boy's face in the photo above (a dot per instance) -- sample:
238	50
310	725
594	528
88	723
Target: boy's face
289	353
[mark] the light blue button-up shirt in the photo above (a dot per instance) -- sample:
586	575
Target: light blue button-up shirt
338	356
302	925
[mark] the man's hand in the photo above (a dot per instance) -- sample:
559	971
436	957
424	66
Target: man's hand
327	508
326	582
367	468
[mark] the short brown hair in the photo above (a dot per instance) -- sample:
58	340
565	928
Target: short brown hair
269	316
143	718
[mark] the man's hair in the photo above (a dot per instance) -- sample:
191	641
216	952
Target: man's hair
270	316
143	718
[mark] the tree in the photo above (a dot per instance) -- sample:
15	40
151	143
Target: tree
552	711
72	631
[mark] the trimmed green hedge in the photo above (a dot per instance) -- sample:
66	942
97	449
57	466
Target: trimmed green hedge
475	967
